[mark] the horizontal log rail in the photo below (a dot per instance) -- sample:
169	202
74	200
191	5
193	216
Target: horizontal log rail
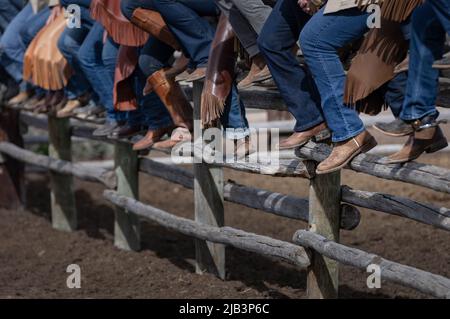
429	176
105	177
256	198
425	213
262	245
420	280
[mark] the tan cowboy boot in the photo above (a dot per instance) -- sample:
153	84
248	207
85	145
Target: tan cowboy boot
258	72
179	135
151	138
20	98
71	105
319	133
172	97
198	74
153	23
178	67
428	140
344	152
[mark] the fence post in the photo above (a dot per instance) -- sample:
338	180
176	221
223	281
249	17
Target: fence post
64	213
127	232
12	190
324	219
209	201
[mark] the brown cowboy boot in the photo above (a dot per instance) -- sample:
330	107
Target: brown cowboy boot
153	23
258	72
344	152
428	140
151	138
173	98
179	135
319	133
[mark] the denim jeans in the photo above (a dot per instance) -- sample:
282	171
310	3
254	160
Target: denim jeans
430	23
233	116
295	84
320	39
8	10
394	93
33	26
98	61
69	44
12	47
154	56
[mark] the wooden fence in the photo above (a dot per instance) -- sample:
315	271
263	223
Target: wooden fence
329	208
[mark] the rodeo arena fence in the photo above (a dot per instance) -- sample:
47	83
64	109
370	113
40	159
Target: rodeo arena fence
329	208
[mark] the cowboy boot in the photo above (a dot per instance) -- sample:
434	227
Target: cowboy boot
258	72
173	98
152	22
319	133
427	138
395	128
151	138
344	152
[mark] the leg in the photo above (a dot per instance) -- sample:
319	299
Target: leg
320	39
295	84
255	11
193	32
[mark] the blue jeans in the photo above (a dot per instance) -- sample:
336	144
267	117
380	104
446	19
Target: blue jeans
98	62
296	86
320	39
69	44
430	23
12	47
33	26
394	93
154	56
8	10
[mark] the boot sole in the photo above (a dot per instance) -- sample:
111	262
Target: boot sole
433	148
391	134
319	137
363	149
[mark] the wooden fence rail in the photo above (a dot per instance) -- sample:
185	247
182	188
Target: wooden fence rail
328	209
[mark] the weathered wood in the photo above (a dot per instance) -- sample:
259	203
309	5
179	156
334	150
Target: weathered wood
267	201
12	190
430	176
103	176
324	219
285	168
127	229
423	281
425	213
262	245
64	212
209	206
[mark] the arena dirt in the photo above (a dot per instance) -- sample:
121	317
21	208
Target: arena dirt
34	257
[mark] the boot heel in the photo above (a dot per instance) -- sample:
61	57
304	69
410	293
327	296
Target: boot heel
369	145
322	136
436	147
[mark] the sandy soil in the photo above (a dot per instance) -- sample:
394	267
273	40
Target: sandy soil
34	257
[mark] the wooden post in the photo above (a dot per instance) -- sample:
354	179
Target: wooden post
64	213
127	233
12	190
324	219
209	202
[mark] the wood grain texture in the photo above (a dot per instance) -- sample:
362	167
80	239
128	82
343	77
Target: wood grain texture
262	245
435	285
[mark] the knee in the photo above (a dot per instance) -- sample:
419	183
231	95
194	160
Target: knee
310	43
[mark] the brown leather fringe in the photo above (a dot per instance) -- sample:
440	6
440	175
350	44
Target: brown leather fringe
122	31
393	10
44	65
219	74
124	96
381	51
212	108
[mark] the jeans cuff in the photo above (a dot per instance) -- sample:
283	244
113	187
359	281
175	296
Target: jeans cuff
413	117
337	139
308	126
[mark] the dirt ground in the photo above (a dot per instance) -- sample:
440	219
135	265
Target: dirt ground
34	257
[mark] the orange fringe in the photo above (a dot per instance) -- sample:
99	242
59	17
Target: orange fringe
122	31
